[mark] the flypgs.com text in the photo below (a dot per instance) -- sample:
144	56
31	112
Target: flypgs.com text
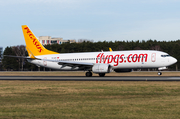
101	58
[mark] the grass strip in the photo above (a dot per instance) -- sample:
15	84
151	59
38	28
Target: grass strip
89	99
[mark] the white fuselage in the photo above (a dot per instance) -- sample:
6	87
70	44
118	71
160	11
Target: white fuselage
117	59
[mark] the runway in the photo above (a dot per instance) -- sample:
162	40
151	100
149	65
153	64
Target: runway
83	78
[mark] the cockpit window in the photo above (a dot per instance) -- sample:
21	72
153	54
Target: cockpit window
165	55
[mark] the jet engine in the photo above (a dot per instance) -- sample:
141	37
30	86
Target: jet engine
101	68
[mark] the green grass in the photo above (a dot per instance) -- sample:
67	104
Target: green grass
89	99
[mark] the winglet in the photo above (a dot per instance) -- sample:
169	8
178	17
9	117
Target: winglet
33	46
110	50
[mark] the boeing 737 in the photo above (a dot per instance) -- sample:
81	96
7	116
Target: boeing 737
96	62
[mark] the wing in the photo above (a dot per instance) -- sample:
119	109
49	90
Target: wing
81	65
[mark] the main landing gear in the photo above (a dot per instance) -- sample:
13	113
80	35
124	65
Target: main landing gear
101	74
159	73
88	74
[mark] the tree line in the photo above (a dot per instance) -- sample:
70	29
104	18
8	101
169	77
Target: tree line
17	64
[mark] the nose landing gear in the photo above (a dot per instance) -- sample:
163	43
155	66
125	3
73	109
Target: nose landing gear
159	73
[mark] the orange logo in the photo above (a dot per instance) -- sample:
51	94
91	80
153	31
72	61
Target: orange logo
33	38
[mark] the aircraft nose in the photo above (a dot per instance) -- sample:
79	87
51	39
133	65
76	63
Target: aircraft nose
173	60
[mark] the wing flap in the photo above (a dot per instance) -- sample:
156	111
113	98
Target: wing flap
71	64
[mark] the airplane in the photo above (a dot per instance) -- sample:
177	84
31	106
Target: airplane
94	62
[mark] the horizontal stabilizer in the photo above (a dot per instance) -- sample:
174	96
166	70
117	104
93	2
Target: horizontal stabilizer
17	56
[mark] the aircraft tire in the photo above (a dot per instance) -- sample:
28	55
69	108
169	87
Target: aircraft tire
88	74
101	74
159	73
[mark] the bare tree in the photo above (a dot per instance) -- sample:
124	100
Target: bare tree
137	48
20	50
120	47
156	47
84	40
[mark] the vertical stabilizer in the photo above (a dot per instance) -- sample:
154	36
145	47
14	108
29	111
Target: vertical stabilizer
30	53
33	46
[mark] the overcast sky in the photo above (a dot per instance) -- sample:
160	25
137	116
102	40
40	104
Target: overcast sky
96	20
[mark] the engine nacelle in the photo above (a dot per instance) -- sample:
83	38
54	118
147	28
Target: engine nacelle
101	68
122	70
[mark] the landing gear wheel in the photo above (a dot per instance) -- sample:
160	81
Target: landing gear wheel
101	74
88	74
159	73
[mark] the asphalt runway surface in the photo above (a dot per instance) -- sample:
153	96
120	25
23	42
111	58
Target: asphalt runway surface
94	78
